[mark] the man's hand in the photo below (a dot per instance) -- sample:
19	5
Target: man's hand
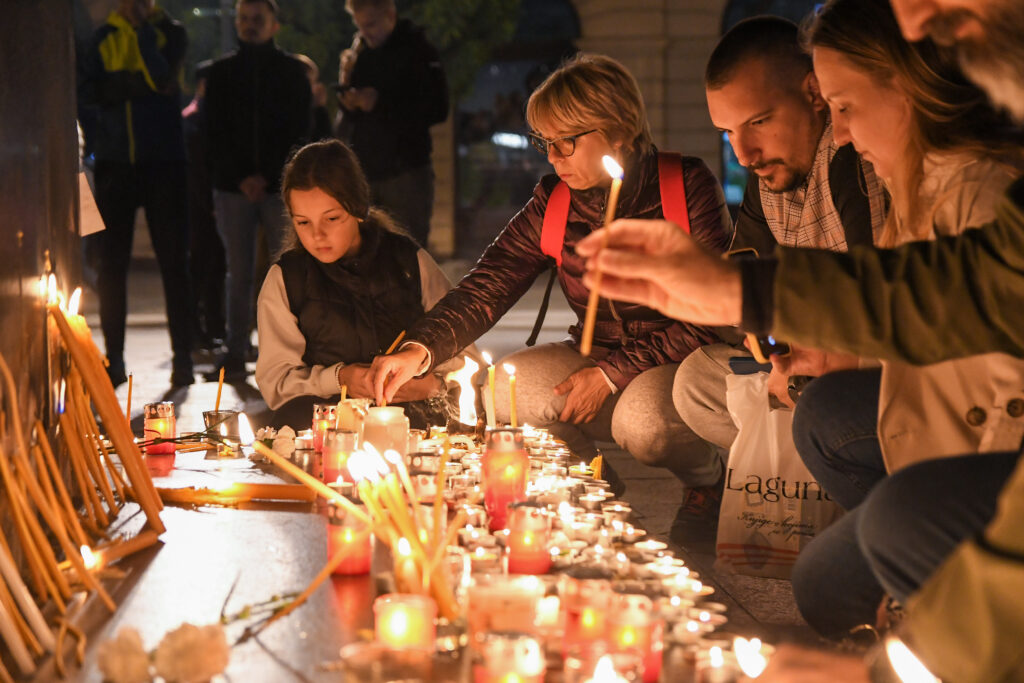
655	263
358	377
391	372
585	392
254	188
808	362
792	664
346	62
367	98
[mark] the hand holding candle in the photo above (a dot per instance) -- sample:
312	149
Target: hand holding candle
587	338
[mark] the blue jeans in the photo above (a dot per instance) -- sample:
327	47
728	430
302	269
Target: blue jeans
835	429
238	222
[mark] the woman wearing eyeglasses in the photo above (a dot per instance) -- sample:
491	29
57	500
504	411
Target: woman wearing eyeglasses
588	108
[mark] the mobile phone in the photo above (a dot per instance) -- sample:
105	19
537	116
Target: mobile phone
764	347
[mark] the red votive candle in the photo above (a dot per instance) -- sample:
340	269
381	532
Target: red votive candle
323	418
504	470
338	445
345	532
159	423
529	526
405	621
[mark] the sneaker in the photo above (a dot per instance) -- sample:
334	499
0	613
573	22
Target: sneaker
697	517
182	377
116	374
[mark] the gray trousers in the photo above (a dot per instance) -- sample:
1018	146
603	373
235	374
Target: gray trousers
698	393
640	418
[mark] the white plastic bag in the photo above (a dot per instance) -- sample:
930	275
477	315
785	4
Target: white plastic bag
772	506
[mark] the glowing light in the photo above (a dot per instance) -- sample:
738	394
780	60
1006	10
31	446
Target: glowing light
749	657
488	358
404	547
905	663
90	558
245	430
612	166
75	301
467	392
716	658
52	295
509	369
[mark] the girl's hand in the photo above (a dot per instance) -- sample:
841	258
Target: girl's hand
391	372
418	388
585	392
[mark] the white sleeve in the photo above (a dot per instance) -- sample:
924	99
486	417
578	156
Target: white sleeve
281	375
434	284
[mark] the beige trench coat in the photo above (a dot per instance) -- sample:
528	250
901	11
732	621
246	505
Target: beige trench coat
967	405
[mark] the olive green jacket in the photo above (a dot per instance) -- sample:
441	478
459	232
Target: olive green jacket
922	303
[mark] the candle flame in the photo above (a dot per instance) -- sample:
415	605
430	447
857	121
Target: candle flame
52	295
704	616
42	287
716	659
612	166
245	431
360	466
74	301
404	547
467	392
488	358
398	622
510	369
89	557
749	657
376	462
692	626
392	456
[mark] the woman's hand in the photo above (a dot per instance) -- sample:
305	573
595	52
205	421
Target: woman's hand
358	377
391	372
585	392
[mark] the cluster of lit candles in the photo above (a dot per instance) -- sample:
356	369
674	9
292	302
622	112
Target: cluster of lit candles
545	564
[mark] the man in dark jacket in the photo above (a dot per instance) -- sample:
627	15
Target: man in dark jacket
392	90
258	107
132	78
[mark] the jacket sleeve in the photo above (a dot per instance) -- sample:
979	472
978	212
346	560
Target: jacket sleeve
500	278
846	178
922	303
966	621
281	374
711	226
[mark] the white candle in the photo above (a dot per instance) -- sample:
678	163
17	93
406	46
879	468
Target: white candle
511	371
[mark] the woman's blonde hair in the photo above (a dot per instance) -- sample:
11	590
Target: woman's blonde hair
948	113
593	92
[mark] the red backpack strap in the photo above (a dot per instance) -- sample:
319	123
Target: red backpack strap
552	231
673	191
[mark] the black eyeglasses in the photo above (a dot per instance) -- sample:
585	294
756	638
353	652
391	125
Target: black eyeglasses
565	146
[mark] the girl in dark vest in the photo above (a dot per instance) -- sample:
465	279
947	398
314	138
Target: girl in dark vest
347	282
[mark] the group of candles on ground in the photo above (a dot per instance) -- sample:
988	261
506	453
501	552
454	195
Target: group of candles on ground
534	553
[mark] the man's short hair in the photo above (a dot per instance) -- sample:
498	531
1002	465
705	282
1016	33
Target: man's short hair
769	39
352	6
271	4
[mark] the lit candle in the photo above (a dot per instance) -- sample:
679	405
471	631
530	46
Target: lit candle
510	370
605	671
159	423
510	657
587	338
344	531
528	552
504	471
716	667
749	656
405	621
489	396
338	445
386	428
323	419
633	626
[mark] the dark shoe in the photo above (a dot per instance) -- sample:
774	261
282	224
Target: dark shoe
608	473
116	374
182	377
697	518
234	371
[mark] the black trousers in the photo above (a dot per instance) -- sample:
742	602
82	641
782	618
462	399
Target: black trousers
160	189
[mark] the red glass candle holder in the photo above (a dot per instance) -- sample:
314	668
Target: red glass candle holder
159	423
345	531
323	419
586	594
338	445
504	470
634	627
405	621
529	527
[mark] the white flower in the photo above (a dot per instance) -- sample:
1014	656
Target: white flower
284	446
192	654
124	659
286	432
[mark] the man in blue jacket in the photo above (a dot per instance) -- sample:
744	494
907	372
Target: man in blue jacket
132	78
